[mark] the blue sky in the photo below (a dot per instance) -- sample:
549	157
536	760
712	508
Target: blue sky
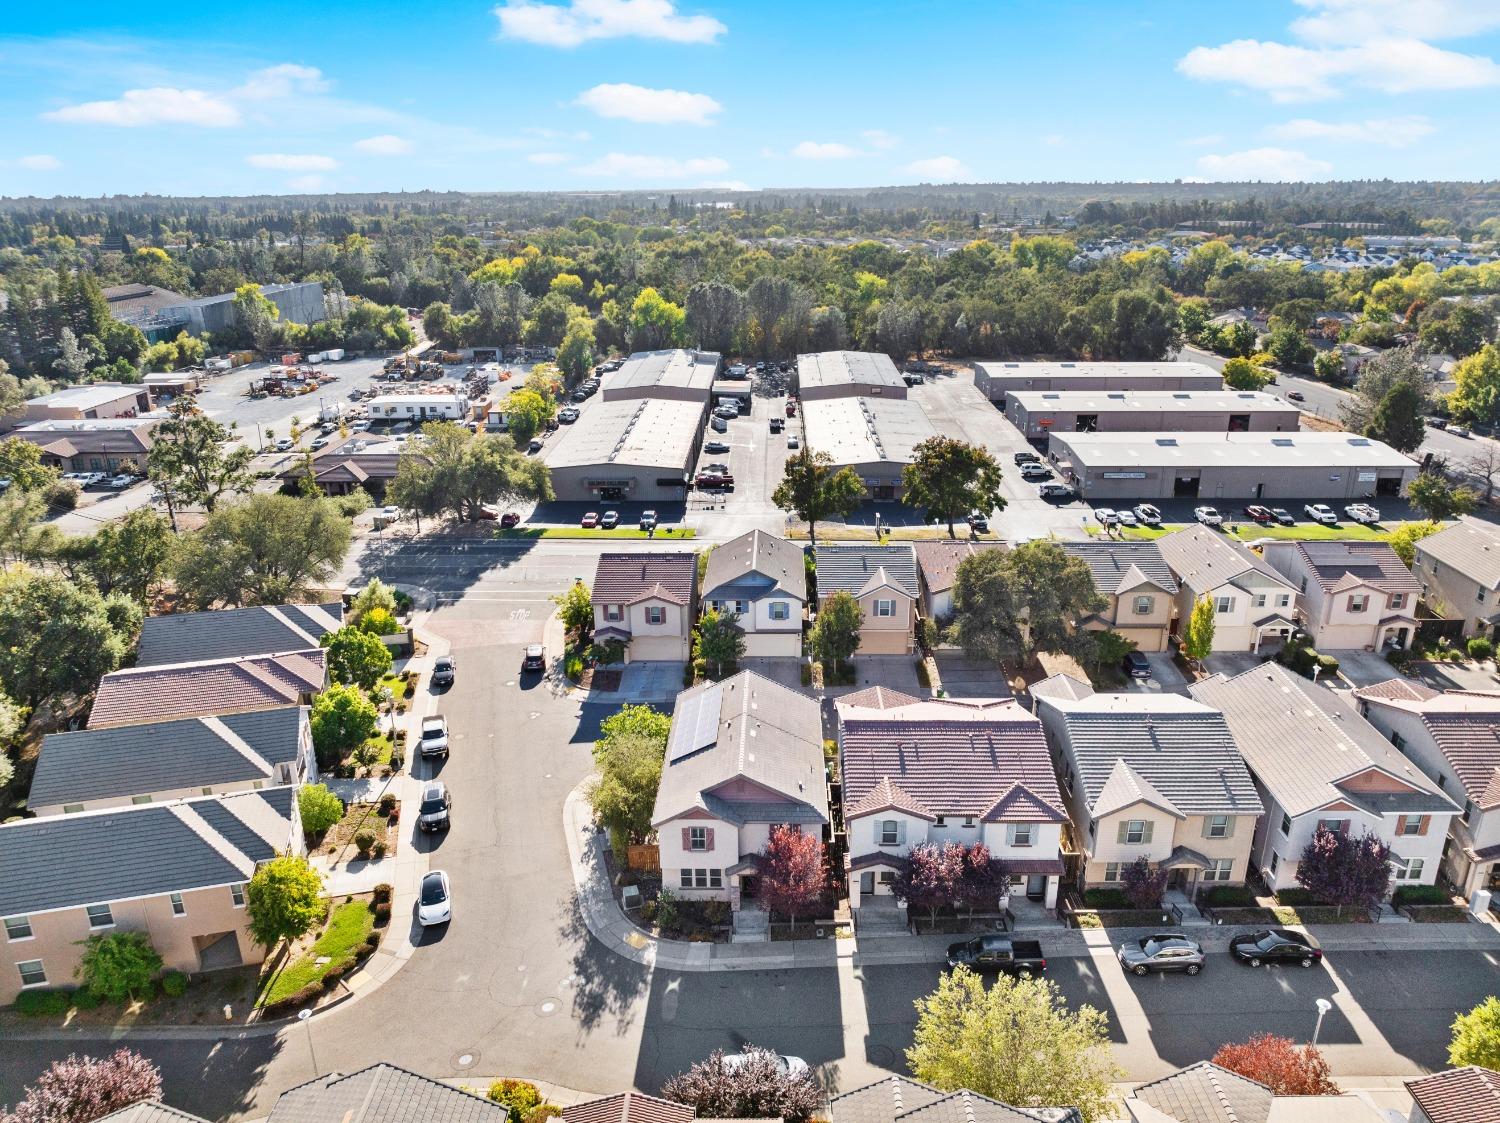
356	95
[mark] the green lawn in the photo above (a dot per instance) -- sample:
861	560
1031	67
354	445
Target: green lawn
670	532
347	929
1247	531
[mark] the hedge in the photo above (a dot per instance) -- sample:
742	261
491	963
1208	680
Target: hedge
43	1003
1106	899
1228	897
1421	895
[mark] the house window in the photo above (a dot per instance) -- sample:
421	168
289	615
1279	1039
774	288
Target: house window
1468	810
886	877
237	895
178	907
968	822
1112	871
1286	823
697	838
613	612
780	610
1218	826
885	608
1410	825
72	808
940	821
17	928
1398	600
1414	869
1260	600
206	791
1283	600
1224	605
32	973
1275	861
1304	584
140	799
1137	830
100	916
1479	595
890	831
741	607
655	614
1219	869
1144	605
1337	826
702	879
1398	740
1020	834
1358	602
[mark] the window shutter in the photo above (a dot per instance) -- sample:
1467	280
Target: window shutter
1422	824
1147	836
1401	824
1124	828
687	839
1344	827
710	838
1208	825
900	832
1229	826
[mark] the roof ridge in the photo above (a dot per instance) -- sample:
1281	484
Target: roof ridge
189	817
216	726
280	617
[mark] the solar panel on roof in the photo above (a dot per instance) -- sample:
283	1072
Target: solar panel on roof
698	721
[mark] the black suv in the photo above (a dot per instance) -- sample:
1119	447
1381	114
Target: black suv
535	658
443	669
435	812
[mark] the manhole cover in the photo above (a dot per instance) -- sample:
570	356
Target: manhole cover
465	1060
547	1007
882	1055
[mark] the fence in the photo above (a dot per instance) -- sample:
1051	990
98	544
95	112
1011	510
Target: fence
643	856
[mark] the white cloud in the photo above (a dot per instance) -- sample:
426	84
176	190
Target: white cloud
652	107
547	158
282	81
1343	21
1394	132
39	163
555	134
939	168
306	182
879	138
1279	164
386	144
814	150
291	162
1292	73
574	22
158	105
661	168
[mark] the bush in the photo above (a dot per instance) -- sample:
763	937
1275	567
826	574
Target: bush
383	892
85	999
398	756
43	1003
1329	665
380	848
372	941
1228	897
927	633
383	913
174	984
62	494
806	670
519	1096
1398	657
1421	895
689	673
387	805
364	842
1480	648
573	666
320	809
1106	899
541	1113
1295	897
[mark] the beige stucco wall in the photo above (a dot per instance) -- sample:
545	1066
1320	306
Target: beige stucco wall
887	635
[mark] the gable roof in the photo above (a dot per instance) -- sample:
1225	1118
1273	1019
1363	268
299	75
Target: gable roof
1206	1093
234	633
1463	724
1471	546
1204	560
628	1107
1118	566
1303	744
164	756
898	1098
757	553
150	1111
93	857
626	578
939	561
1458	1095
222	686
383	1093
1162	749
887	796
849	569
946	756
1341	565
749	728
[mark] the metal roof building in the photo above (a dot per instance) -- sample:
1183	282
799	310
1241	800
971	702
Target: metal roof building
1040	412
874	436
848	374
640	448
995	380
678	374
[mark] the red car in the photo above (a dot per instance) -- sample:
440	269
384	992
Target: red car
590	520
510	518
714	479
1260	514
791	407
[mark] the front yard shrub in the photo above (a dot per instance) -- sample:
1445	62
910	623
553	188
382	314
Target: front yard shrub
85	999
519	1096
716	912
387	805
573	665
1295	897
319	808
1421	895
118	966
379	849
1106	899
382	892
1398	657
43	1003
541	1113
1228	897
383	913
1480	648
364	841
398	755
174	984
1329	664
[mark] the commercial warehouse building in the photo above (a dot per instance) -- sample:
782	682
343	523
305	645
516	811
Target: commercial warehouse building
874	436
676	375
995	380
1225	466
300	302
95	401
640	450
419	407
1040	412
848	374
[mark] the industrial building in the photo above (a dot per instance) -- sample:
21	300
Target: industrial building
1226	466
848	374
419	407
995	380
675	375
298	303
874	436
91	402
1040	412
640	450
141	307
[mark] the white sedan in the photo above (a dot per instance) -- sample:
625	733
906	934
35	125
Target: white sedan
1208	516
435	901
789	1066
1321	513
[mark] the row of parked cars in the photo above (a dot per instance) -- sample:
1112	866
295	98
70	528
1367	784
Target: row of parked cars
1158	952
102	480
1317	512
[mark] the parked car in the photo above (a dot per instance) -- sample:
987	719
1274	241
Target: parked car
1321	513
319	442
361	425
534	446
433	812
716	447
444	667
978	522
1259	514
1106	517
589	520
609	520
535	658
791	441
711	480
434	740
1136	665
912	379
1026	458
1054	490
1363	513
999	954
284	444
1165	951
1127	517
789	1066
1438	422
728	413
1208	516
510	518
435	900
648	520
778	424
1035	470
119	483
791	407
567	415
1148	513
1283	516
718	425
1275	945
1460	431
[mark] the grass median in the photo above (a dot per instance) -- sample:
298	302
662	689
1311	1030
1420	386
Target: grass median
671	533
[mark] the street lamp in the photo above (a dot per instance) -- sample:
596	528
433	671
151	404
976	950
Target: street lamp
305	1017
1323	1007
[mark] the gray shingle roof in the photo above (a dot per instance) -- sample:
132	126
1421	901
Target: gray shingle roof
193	637
1206	1093
755	564
623	578
1112	563
69	861
382	1093
1471	546
161	756
848	569
1204	560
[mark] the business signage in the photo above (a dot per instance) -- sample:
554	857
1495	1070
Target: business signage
1367	477
1124	475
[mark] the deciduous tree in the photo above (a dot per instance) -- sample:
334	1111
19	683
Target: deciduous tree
1010	605
526	412
655	322
1344	871
951	477
1142	883
188	462
930	878
1377	377
355	656
262	549
319	809
342	719
835	634
375	595
1476	396
1279	1063
1405	537
83	1089
1198	637
575	608
814	491
719	638
283	900
118	965
1476	1036
1244	374
714	315
1437	497
624	795
58	637
982	879
755	1089
793	873
1398	419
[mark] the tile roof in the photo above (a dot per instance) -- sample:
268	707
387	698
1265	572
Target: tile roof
164	756
93	857
848	569
886	796
1206	1093
222	686
1459	1095
757	561
383	1093
1170	751
749	728
192	637
150	1111
1341	565
1118	566
1471	546
1204	560
628	1107
965	1106
939	561
882	1102
1302	743
898	1099
625	578
1463	724
950	756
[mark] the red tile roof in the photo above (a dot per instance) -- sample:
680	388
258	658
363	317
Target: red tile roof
223	686
886	796
1459	1095
628	1107
626	578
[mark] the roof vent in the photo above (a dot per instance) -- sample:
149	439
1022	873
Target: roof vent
1283	442
1167	442
1359	441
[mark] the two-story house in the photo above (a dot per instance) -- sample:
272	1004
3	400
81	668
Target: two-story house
1154	776
1459	570
1316	762
645	600
1252	602
744	755
1354	594
1470	1094
883	579
1137	586
1450	736
176	871
945	770
762	579
937	563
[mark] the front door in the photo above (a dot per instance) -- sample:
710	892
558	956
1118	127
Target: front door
1177	878
866	884
749	884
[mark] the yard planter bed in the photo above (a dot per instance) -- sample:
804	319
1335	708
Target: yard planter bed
1436	914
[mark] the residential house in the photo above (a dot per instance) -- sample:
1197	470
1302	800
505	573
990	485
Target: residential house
150	1111
1138	585
235	633
114	444
361	461
744	755
629	1107
1459	571
883	579
899	1099
128	765
646	601
1354	594
1206	1093
1451	737
1318	763
215	686
763	580
1253	603
383	1093
175	871
937	565
1457	1095
945	770
1154	776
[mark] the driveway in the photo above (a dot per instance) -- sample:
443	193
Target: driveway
1456	676
1232	663
647	681
1165	677
963	677
1364	668
898	672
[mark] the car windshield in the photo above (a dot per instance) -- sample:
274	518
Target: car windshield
432	890
432	729
444	664
431	802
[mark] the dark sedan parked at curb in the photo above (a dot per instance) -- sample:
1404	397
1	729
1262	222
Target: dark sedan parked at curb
1165	951
1275	945
443	669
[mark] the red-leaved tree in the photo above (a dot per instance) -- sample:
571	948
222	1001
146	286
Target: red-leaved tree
930	878
755	1089
1339	870
982	880
82	1089
1143	883
1285	1067
793	874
